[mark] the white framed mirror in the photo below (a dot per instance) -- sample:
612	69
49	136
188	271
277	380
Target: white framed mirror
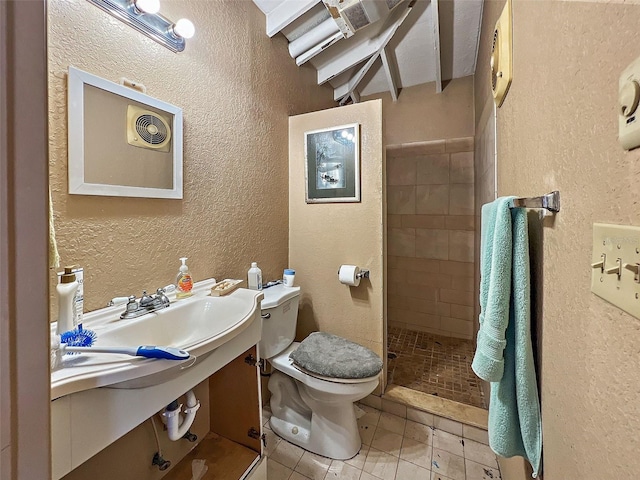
122	142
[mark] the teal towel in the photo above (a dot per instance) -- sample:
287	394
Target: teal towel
504	353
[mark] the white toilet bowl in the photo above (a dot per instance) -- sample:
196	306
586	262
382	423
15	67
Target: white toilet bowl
313	412
309	409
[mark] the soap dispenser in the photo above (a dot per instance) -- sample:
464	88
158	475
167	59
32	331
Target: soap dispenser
66	300
184	282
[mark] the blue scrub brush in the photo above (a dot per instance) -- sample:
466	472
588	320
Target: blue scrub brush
78	337
80	340
147	351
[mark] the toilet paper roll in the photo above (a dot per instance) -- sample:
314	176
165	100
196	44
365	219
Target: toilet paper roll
348	274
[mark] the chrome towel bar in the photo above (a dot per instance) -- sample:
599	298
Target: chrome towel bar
550	201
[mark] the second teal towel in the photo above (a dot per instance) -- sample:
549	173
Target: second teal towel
504	353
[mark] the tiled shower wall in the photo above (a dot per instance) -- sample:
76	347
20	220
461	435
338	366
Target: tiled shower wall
431	264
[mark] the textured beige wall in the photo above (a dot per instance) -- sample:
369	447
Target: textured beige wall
237	88
558	130
431	236
421	114
324	236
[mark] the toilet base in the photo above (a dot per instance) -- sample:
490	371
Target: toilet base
337	446
327	429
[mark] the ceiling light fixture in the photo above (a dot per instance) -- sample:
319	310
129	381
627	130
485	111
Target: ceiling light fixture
143	16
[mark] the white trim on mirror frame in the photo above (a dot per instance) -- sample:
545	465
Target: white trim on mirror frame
77	186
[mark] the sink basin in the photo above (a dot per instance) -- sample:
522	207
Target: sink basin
199	325
196	326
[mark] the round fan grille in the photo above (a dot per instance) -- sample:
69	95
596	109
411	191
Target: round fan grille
151	129
494	59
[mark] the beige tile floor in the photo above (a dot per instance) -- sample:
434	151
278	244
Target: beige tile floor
394	448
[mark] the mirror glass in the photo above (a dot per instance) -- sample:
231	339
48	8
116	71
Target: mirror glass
121	141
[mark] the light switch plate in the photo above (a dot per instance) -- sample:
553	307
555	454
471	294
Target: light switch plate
616	242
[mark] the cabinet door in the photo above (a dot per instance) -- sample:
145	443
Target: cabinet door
234	401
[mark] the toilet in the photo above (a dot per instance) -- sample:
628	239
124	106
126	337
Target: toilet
314	382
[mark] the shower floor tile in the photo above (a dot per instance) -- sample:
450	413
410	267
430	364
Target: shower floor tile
433	364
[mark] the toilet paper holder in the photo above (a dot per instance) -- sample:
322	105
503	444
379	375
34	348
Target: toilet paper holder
361	274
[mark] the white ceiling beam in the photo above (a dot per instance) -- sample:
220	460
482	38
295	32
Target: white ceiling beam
364	50
390	72
435	25
353	96
308	55
350	86
285	13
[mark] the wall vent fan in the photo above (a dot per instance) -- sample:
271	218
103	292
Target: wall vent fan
501	56
147	129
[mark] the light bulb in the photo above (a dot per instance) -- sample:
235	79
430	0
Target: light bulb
350	136
184	28
148	6
344	134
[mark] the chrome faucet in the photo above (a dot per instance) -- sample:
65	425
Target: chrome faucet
146	304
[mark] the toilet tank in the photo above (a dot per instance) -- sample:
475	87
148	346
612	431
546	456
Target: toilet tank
279	318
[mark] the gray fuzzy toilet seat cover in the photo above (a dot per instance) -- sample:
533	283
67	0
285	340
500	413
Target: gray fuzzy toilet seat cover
335	357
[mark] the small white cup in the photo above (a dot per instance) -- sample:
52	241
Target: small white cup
288	277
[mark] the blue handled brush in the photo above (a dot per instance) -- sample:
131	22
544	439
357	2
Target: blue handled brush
147	351
78	337
81	340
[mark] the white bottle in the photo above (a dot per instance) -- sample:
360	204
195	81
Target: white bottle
254	277
78	298
66	305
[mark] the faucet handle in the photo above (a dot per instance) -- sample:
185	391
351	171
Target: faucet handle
131	307
160	294
117	301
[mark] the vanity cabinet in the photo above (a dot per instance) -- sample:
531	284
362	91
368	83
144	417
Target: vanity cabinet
228	426
105	433
232	449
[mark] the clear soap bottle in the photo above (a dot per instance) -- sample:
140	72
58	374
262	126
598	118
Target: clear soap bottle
184	282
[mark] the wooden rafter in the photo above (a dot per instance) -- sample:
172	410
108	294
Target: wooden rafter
287	12
346	89
390	72
353	56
